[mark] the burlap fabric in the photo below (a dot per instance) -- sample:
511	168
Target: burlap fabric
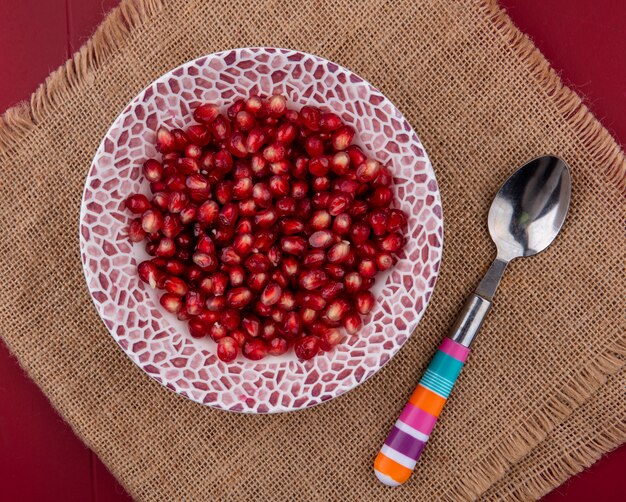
542	396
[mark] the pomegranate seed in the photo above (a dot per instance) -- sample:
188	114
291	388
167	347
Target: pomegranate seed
171	303
314	258
286	133
258	280
206	285
242	189
223	161
335	270
239	336
280	278
251	325
262	195
271	294
230	319
247	207
292	325
236	145
358	208
339	252
196	182
277	346
176	183
340	163
236	275
215	304
178	201
353	282
264	240
279	185
148	272
299	189
194	302
320	220
367	171
205	261
254	105
187	165
243	244
151	221
338	203
266	218
255	140
320	183
287	300
158	186
331	290
293	245
208	213
199	135
274	152
166	248
275	255
241	170
238	297
194	273
381	197
308	316
319	166
224	236
198	328
384	177
396	220
359	233
220	128
364	302
184	240
392	242
329	122
310	117
291	226
235	108
312	279
290	266
342	224
321	239
384	261
228	215
254	350
300	167
152	170
330	338
136	233
269	330
244	226
378	221
313	301
348	186
276	105
304	208
137	203
314	146
337	309
224	192
205	244
217	332
367	268
229	256
164	140
286	206
342	137
206	113
367	249
245	120
307	347
257	262
227	349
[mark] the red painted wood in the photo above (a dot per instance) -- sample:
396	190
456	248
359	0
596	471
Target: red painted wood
40	458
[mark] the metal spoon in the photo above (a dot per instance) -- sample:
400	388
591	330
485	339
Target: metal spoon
525	217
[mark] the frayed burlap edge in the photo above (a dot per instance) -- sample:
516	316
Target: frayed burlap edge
118	27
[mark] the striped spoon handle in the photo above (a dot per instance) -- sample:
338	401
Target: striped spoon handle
404	444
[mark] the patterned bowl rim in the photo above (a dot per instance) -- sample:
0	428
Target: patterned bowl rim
436	263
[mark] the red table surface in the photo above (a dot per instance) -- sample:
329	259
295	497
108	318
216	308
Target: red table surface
40	457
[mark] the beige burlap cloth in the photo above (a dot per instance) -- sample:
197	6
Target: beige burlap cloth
542	396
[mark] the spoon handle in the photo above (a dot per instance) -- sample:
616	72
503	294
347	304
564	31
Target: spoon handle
396	460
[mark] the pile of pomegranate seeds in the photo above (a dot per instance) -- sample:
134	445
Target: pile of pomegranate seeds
267	227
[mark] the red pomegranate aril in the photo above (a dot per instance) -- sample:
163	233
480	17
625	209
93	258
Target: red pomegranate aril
391	242
364	302
308	316
342	137
290	266
321	239
357	157
151	221
176	183
178	201
320	220
242	189
291	226
158	186
274	152
228	215
238	297
197	182
342	224
286	133
217	332
166	248
228	256
293	245
313	301
265	219
205	244
269	330
254	105
340	163
353	282
300	166
347	186
310	117
312	279
279	277
257	262
137	203
262	309
358	208
236	275
220	128
339	252
244	226
198	328
254	350
251	325
207	213
381	197
188	165
332	290
286	206
367	171
206	113
378	221
314	258
239	336
224	192
314	146
161	200
184	240
235	108
194	302
336	310
215	303
171	303
338	203
329	122
262	195
367	268
304	208
352	323
291	325
199	134
396	220
208	317
319	166
243	244
277	346
245	121
384	177
148	272
280	167
275	255
264	240
330	338
230	318
255	140
205	261
194	273
206	285
271	294
247	207
224	236
223	161
279	185
335	270
367	249
320	183
384	261
307	347
136	233
152	170
151	248
287	300
227	349
276	105
164	140
236	144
